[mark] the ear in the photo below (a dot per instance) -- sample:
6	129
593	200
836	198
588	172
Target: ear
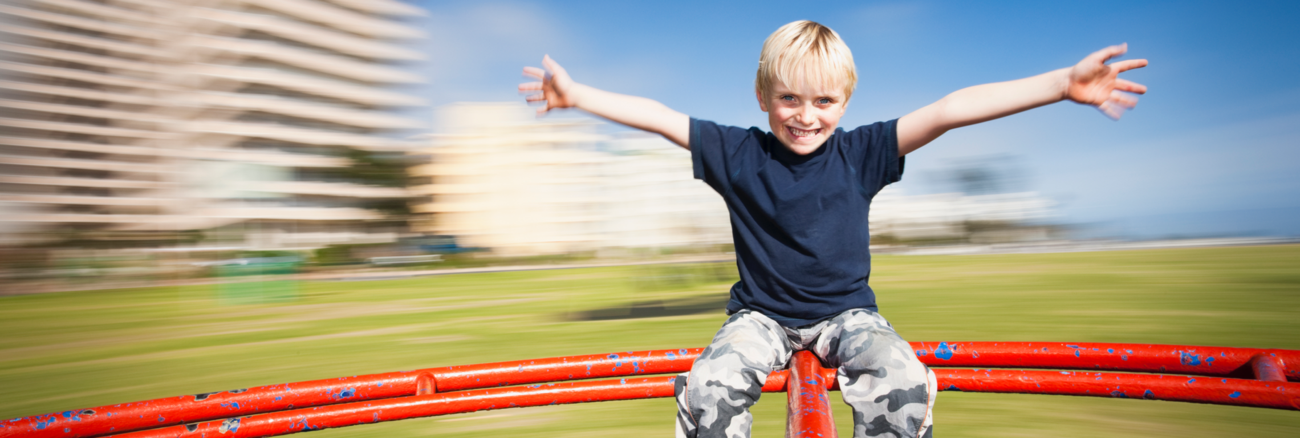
762	104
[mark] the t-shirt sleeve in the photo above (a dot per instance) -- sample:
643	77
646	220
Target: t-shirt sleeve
716	152
880	163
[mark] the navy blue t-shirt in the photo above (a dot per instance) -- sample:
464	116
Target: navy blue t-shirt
799	223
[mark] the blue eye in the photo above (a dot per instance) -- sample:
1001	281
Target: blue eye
824	101
787	98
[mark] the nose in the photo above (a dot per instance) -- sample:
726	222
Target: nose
806	115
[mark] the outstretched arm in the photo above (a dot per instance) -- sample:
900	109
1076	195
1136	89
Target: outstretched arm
558	90
1090	82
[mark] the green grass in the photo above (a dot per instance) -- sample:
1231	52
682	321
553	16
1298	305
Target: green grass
81	349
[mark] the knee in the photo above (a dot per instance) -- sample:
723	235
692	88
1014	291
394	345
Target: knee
748	342
731	370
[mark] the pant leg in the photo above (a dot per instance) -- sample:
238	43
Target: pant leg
891	392
713	400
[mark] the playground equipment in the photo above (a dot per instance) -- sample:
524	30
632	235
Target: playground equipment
1263	378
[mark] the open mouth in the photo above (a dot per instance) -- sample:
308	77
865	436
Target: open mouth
800	133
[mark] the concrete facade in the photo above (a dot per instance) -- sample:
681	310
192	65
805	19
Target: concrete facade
139	116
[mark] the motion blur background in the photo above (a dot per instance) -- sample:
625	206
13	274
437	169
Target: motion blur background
241	153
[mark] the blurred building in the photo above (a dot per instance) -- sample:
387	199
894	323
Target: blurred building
501	179
141	119
984	218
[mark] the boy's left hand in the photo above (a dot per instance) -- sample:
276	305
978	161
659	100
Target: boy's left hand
1093	82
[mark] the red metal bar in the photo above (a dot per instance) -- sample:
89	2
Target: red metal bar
1211	361
1267	368
1280	395
226	404
349	414
365	412
1177	359
564	368
188	408
809	412
1194	389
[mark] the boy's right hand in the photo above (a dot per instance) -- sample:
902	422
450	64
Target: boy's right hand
555	85
560	91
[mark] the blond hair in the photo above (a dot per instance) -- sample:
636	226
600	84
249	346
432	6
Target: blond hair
805	52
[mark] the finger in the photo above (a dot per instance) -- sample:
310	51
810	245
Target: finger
1129	64
534	72
1122	98
1130	86
551	65
1107	53
530	86
535	97
1114	112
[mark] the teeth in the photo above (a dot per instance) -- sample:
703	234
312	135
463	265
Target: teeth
802	133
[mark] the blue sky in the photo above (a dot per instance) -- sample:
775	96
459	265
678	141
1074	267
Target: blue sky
1213	148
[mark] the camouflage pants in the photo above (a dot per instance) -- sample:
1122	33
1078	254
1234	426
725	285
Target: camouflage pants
891	392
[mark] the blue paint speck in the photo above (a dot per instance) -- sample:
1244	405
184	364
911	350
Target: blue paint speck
921	353
1191	380
1110	350
672	356
1123	356
41	425
943	352
1235	394
1076	353
1119	394
1149	395
1190	359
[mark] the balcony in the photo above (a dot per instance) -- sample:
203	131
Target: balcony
84	23
81	128
84	76
298	108
79	93
340	18
308	84
324	63
71	163
298	135
313	35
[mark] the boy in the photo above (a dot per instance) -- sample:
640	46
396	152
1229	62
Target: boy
798	198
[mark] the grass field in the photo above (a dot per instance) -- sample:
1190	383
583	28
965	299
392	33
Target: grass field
80	349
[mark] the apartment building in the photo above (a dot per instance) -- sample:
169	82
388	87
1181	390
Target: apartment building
499	178
139	119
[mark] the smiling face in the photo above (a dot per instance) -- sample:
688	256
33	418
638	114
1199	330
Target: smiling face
803	119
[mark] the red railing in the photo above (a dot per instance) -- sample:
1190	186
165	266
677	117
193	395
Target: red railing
1217	375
